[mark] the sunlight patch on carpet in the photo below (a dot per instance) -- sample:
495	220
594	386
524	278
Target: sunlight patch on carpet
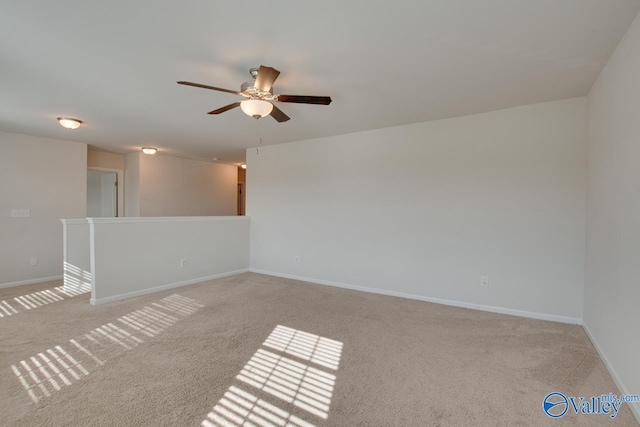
240	408
6	309
148	321
294	382
74	291
317	349
179	305
40	299
59	367
296	385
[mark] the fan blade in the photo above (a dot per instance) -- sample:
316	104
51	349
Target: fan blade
301	99
266	77
208	87
225	108
277	114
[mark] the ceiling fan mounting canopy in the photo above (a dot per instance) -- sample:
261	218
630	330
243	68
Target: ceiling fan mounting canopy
258	93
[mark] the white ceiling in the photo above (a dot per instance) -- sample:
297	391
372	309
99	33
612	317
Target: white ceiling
114	64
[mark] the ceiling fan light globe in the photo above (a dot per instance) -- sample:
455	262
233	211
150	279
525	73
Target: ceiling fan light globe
256	107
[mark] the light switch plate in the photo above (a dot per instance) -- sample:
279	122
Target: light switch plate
20	213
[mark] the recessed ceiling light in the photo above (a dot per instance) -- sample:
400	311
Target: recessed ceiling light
215	159
149	150
69	123
243	166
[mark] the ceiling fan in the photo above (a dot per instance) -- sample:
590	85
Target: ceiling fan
258	93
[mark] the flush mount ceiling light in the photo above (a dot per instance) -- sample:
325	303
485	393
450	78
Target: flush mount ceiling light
149	150
256	108
243	166
69	123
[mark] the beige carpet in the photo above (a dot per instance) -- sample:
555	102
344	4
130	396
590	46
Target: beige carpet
256	349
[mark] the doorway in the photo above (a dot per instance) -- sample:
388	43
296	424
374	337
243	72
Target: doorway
102	194
241	198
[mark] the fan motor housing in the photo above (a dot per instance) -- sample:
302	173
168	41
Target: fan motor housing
247	86
248	90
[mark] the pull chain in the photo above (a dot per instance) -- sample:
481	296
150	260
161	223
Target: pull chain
259	135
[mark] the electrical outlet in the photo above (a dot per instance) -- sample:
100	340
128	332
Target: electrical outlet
33	261
296	259
183	262
484	281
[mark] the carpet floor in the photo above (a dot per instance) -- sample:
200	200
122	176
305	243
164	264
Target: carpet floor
258	350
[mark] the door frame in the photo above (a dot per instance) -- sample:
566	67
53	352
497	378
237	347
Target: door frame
120	186
241	199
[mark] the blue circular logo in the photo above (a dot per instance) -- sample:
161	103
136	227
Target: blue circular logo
555	404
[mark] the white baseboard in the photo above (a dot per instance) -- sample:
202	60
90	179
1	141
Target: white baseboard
97	301
29	282
500	310
635	407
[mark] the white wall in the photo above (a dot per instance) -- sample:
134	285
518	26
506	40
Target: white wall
172	186
161	185
105	160
612	289
76	255
134	256
427	209
49	177
132	185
